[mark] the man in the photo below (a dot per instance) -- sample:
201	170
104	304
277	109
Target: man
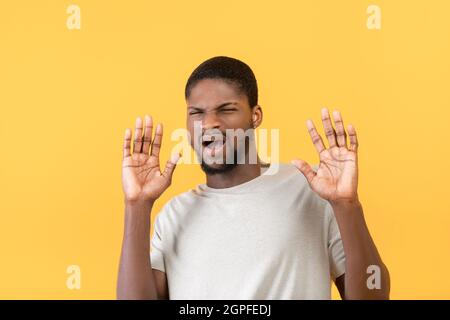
245	234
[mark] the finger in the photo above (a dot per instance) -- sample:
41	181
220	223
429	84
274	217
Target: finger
137	147
147	139
353	138
304	168
341	136
127	143
315	136
170	166
157	140
328	127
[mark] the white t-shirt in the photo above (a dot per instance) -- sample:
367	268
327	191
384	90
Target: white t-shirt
269	238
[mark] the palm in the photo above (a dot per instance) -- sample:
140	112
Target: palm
336	177
141	174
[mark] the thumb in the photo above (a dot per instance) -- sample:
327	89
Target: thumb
170	166
304	168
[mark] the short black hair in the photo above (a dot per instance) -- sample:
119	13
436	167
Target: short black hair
230	70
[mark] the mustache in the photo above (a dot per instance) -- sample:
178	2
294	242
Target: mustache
212	136
226	135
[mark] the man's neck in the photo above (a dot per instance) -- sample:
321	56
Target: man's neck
240	174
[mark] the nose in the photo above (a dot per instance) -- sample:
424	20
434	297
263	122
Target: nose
210	121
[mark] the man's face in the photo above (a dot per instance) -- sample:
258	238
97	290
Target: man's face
214	106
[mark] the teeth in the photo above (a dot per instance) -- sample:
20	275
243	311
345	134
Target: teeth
209	137
208	140
213	144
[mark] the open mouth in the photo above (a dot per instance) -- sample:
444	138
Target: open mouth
206	143
213	142
208	140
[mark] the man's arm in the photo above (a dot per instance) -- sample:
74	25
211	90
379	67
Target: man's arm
143	182
336	180
136	280
360	253
162	287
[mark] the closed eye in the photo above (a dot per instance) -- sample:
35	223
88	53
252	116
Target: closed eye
228	110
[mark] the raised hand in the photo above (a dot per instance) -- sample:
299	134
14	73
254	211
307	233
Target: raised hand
336	178
142	179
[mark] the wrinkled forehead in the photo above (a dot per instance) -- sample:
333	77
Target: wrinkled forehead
210	93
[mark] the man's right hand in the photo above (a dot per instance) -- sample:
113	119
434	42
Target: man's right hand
142	179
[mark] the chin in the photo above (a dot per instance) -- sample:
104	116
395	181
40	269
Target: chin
217	168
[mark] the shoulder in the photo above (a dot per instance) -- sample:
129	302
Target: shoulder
287	176
177	207
296	183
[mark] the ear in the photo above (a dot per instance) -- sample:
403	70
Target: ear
257	116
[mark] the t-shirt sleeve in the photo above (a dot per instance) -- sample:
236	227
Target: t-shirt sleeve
156	246
335	248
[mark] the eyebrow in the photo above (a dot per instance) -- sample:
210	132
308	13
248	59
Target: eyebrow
218	107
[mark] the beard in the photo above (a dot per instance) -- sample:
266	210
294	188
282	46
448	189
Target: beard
221	168
238	155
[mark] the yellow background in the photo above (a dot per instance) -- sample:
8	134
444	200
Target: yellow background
66	97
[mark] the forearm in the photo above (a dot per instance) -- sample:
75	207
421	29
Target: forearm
135	279
360	252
